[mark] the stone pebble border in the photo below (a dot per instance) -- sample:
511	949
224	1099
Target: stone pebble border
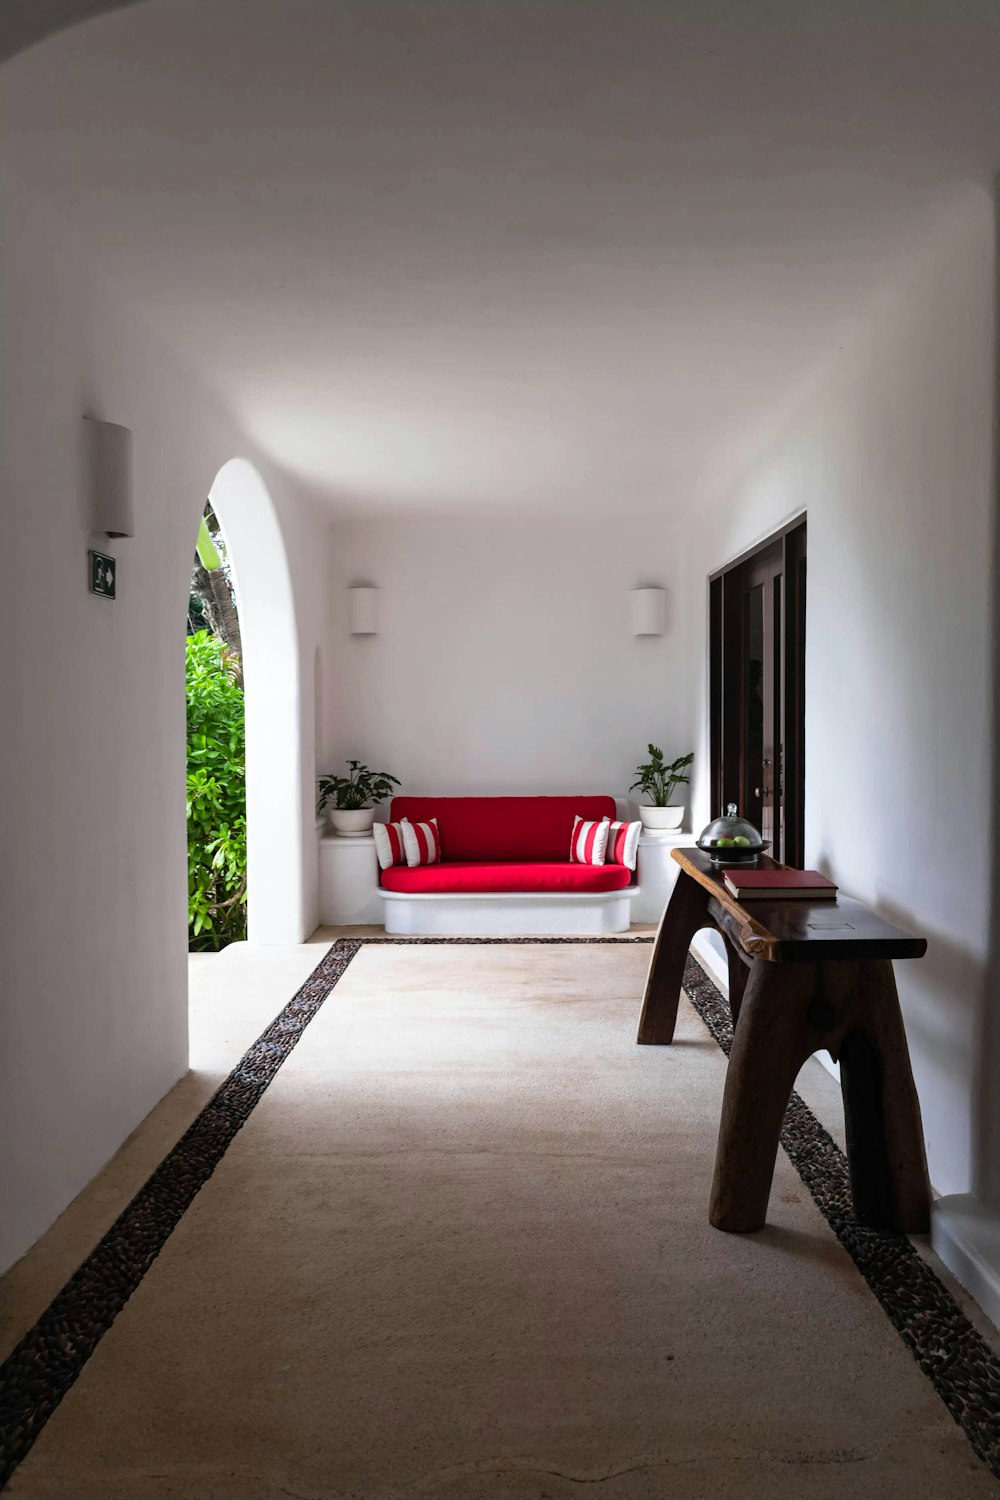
52	1354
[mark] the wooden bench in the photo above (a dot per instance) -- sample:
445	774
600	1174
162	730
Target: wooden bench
802	976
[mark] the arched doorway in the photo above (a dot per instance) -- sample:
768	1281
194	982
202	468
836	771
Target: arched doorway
272	688
216	750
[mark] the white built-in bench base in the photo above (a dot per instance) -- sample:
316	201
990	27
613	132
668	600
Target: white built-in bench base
508	913
349	894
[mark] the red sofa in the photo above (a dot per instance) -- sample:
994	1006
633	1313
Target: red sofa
498	844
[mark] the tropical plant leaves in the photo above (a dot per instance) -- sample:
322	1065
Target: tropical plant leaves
216	795
362	788
656	781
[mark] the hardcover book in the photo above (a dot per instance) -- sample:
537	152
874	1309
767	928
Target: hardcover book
779	885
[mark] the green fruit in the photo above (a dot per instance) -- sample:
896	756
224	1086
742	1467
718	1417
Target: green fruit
725	843
743	843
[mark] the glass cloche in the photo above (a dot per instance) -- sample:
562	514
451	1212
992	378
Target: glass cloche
731	840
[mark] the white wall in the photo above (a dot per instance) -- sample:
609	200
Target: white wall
279	684
892	457
504	660
93	987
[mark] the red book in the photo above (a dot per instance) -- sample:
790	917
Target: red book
779	885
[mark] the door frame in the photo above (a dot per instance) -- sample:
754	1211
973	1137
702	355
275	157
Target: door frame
725	688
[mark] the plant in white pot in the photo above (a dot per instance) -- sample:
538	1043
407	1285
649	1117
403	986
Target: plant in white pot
353	800
657	781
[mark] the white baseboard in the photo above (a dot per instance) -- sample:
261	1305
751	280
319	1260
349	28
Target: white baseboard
712	961
966	1235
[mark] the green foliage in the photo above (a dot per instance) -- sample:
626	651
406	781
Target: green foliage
363	788
208	553
216	796
656	781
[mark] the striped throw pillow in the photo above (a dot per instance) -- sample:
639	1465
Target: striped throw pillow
422	842
623	844
589	842
389	845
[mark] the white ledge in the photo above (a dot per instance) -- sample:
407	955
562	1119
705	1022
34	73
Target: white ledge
582	897
965	1232
507	913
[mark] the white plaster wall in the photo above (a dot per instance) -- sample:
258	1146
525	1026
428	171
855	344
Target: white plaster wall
279	684
93	987
504	660
891	455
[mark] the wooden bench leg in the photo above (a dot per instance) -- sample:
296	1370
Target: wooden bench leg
885	1141
685	914
770	1045
788	1012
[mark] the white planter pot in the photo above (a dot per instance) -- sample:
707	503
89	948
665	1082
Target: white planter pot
661	818
352	823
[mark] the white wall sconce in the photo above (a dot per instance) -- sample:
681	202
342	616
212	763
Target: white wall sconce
363	610
109	477
649	611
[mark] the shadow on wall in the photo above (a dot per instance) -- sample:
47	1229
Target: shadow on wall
986	1098
319	731
941	996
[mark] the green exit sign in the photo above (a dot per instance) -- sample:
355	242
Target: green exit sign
103	575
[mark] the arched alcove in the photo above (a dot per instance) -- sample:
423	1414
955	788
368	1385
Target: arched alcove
272	688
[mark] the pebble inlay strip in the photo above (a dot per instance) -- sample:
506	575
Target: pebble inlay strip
41	1369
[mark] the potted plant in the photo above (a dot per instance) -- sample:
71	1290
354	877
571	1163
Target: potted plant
354	798
656	781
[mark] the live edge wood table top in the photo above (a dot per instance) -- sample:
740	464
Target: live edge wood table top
799	931
803	976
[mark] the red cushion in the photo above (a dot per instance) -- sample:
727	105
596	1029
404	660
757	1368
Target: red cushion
504	828
476	876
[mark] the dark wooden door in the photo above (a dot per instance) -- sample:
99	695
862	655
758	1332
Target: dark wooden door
757	591
757	661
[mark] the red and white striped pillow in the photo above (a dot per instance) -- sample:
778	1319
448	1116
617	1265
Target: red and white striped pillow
623	844
589	842
422	842
389	846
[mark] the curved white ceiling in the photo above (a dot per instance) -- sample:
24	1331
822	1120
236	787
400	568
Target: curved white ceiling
553	255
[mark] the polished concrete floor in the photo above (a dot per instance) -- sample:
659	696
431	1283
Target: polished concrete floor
461	1249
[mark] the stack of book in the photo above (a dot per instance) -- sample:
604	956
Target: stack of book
779	885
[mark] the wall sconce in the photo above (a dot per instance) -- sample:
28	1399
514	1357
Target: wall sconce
649	611
109	475
363	610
